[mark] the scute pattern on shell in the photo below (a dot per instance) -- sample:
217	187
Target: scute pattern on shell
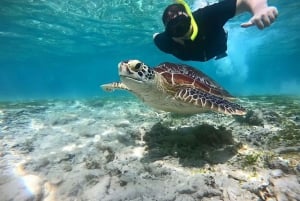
206	100
184	75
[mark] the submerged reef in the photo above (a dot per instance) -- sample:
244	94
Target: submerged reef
119	149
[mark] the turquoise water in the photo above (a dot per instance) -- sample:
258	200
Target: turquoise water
110	146
66	49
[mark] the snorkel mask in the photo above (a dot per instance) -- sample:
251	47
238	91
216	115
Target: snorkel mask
193	22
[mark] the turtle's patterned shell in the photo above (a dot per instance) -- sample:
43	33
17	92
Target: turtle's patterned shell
186	76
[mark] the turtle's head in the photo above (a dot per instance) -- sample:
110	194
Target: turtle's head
135	71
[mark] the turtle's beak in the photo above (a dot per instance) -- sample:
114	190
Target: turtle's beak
124	78
124	69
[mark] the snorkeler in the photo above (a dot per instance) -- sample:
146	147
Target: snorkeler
199	35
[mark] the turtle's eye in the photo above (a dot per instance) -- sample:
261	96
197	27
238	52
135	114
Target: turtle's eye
138	66
141	74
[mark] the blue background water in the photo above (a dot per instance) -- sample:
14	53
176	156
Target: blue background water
66	49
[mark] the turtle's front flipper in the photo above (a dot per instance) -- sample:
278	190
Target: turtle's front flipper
211	102
114	85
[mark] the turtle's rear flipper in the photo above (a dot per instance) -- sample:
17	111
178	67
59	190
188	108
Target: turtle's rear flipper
114	85
209	101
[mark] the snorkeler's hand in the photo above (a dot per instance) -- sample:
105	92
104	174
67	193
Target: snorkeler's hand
262	18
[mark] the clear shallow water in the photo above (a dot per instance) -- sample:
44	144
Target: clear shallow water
66	49
53	49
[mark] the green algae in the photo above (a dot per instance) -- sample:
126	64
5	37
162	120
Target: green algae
251	159
289	135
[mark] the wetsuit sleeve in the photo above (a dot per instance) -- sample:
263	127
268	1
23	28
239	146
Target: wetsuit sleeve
167	45
218	13
163	43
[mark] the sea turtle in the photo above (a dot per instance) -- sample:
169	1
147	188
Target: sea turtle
176	88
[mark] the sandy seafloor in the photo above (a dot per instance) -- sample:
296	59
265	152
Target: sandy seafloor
119	149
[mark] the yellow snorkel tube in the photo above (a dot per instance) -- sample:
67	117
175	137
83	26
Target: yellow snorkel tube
193	22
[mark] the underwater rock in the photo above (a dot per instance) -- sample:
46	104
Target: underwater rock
27	145
285	188
279	163
276	173
99	190
184	198
298	168
29	187
284	150
253	118
67	167
63	120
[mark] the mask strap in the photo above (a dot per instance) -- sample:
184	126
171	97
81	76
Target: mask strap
193	22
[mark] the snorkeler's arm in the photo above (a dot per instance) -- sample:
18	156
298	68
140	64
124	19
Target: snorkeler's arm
167	45
263	15
163	42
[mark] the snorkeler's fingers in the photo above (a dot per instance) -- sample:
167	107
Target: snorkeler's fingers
272	19
259	23
262	19
247	24
266	21
273	13
253	21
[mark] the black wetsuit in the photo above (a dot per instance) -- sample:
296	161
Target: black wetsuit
211	40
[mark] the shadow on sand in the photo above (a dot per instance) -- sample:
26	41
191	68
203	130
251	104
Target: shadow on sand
194	146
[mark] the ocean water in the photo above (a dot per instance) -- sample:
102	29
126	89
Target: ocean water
63	138
66	49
